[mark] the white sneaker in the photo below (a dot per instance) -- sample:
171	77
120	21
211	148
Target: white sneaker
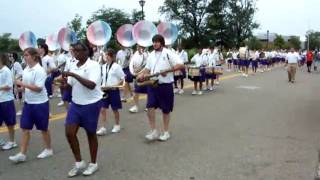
45	153
92	168
79	166
200	93
194	92
181	91
211	88
59	96
19	113
175	90
217	82
2	142
134	109
102	131
18	158
165	136
152	135
9	145
51	96
116	129
61	103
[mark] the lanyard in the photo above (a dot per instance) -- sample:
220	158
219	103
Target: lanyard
108	68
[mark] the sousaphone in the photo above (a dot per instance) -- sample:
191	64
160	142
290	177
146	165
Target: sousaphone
143	32
52	42
169	31
66	37
124	35
27	40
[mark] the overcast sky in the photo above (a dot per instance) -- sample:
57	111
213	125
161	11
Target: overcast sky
286	17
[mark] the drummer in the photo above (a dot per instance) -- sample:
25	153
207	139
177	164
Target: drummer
137	64
112	75
210	76
179	76
200	61
161	96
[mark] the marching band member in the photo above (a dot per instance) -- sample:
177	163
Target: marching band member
137	64
36	107
200	61
123	58
7	108
235	60
161	96
61	62
229	60
112	75
210	75
17	72
49	66
244	58
255	61
181	75
85	79
218	58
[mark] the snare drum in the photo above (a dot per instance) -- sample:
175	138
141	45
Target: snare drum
178	73
193	71
209	70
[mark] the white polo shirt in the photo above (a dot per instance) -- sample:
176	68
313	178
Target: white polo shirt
159	61
292	57
62	58
115	74
48	63
17	70
82	95
183	56
35	76
199	60
6	80
70	61
138	62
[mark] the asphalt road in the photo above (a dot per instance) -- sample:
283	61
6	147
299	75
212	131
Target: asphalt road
256	128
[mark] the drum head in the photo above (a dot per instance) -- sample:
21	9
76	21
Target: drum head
66	37
143	32
99	33
124	35
169	31
27	40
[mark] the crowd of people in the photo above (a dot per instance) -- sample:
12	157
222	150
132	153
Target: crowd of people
90	82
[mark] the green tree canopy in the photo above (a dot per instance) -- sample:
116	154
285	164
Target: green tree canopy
76	25
241	20
191	16
8	44
254	43
279	42
294	42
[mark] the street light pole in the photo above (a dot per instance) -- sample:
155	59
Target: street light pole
142	2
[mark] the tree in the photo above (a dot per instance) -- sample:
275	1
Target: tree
217	23
76	25
314	39
294	42
254	43
240	20
136	16
191	16
279	42
7	44
114	17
